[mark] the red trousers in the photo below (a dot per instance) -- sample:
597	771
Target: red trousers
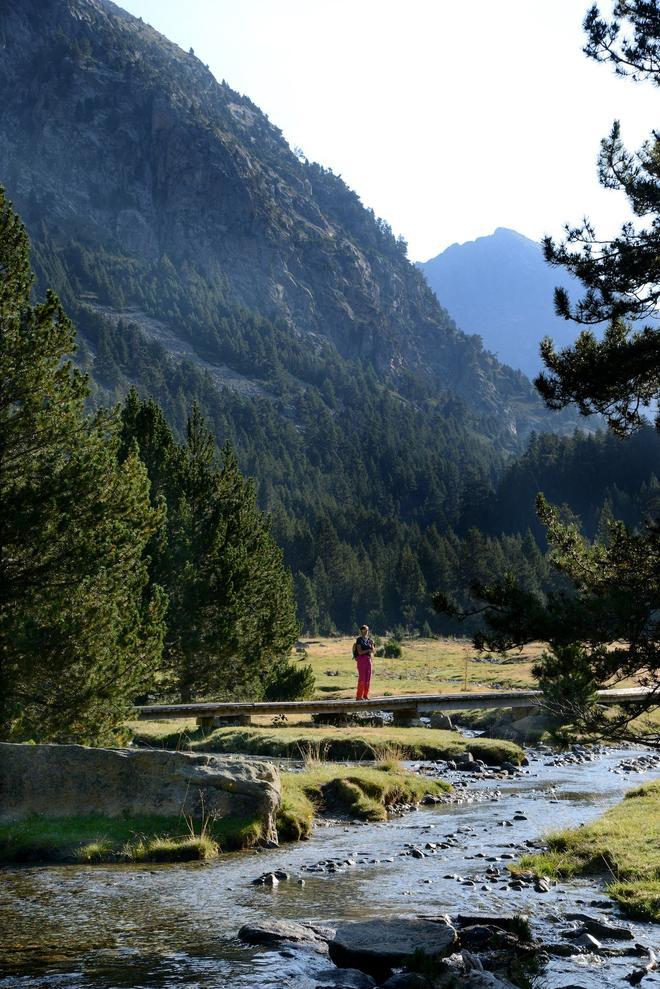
364	677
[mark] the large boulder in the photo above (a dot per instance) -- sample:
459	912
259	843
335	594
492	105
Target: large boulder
73	780
441	720
379	945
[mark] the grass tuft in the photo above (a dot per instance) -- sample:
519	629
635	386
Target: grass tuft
162	849
357	791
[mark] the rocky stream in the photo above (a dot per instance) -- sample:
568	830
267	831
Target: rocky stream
110	927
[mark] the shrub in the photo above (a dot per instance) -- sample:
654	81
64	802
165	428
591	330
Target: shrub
290	682
391	650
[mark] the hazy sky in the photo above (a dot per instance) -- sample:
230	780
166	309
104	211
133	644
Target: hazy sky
448	118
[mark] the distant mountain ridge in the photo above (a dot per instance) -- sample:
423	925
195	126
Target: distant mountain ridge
500	287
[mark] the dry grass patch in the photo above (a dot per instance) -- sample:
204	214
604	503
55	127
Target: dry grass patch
428	666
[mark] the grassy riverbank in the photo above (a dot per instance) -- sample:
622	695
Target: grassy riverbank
623	844
363	793
327	743
143	838
358	792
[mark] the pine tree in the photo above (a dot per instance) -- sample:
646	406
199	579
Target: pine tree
79	637
308	609
618	376
231	615
606	628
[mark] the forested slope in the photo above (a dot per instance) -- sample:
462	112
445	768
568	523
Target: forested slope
202	260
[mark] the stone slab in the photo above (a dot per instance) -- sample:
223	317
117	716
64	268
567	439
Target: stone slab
378	945
74	780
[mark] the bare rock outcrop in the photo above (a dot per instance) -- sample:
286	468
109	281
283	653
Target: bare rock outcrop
73	780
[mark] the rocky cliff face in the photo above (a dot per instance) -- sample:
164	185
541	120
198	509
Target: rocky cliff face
114	140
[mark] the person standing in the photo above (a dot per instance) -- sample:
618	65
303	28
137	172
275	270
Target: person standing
363	650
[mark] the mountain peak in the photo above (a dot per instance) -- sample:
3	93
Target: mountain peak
508	233
500	287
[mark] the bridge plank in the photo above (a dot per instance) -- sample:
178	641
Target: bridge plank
420	703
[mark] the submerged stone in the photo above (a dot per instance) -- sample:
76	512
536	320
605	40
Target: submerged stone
282	931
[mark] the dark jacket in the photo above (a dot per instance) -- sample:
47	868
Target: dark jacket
363	645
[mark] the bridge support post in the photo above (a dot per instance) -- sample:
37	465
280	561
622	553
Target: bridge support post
406	718
226	721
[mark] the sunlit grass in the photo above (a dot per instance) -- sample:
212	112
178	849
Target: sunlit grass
361	792
322	743
623	844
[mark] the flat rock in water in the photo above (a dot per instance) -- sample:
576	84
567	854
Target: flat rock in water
281	931
378	945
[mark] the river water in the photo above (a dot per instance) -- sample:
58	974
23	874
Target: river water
109	927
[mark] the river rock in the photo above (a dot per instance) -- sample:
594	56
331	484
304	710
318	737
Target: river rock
441	720
376	946
586	941
560	949
601	929
74	780
479	937
343	978
527	729
486	980
407	980
284	931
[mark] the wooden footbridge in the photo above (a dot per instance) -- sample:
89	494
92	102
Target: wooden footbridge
404	708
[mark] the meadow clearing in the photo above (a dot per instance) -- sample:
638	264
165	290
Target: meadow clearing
427	666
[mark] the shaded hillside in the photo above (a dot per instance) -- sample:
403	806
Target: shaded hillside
501	288
156	185
591	475
201	260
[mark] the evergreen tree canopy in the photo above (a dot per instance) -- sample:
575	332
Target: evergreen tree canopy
603	629
618	376
231	615
79	634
